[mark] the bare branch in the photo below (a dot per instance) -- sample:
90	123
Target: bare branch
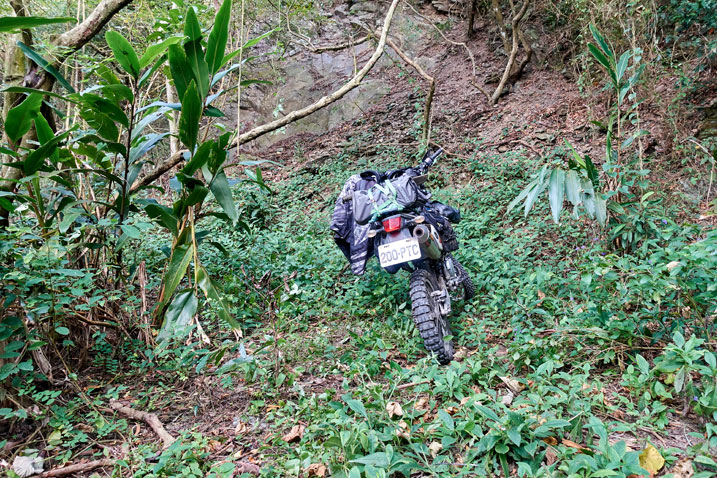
517	18
431	88
328	99
149	418
77	468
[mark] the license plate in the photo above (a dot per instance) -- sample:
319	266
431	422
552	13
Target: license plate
405	250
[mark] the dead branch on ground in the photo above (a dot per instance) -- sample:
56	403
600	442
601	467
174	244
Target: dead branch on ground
149	418
77	468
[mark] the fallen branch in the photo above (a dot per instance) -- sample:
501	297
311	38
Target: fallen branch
149	418
412	384
246	467
78	468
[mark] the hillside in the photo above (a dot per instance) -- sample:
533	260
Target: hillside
174	303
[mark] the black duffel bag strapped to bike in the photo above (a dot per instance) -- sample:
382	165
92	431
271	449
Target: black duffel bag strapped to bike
387	197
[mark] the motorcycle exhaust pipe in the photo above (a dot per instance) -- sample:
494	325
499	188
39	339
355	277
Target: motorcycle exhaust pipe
429	245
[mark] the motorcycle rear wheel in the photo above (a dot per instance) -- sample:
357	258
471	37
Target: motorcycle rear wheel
431	324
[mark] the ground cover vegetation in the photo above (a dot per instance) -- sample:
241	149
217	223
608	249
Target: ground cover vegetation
172	305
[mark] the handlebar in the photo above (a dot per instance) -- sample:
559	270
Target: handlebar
429	159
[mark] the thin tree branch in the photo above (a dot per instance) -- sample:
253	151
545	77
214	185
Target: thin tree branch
431	88
149	418
328	99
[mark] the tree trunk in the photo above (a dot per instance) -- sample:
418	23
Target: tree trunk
471	19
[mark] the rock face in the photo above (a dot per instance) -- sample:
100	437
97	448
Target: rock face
454	7
303	77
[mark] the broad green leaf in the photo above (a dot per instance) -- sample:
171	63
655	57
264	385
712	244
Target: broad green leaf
211	291
222	192
592	172
34	161
602	59
123	52
191	115
192	30
216	44
102	123
642	364
153	51
487	412
179	261
149	142
200	158
131	231
45	135
45	65
622	65
572	187
19	119
180	68
179	313
601	41
195	55
164	216
556	192
600	209
62	330
588	197
521	196
540	186
9	24
357	407
147	120
446	419
379	460
514	436
106	107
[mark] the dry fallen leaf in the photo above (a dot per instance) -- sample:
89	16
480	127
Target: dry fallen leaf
394	409
316	469
403	431
435	447
507	399
241	428
551	440
514	386
682	469
572	444
550	456
421	404
651	460
296	434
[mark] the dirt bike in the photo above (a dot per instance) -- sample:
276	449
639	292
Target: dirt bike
410	232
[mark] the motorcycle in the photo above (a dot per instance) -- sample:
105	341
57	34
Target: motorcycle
413	233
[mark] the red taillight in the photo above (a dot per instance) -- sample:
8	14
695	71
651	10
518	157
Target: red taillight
392	224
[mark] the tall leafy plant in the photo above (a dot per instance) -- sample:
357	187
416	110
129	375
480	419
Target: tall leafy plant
196	72
580	183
